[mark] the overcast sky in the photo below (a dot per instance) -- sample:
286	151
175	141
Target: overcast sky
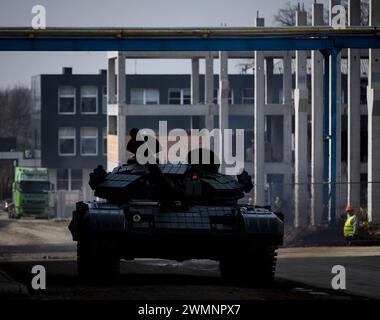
18	67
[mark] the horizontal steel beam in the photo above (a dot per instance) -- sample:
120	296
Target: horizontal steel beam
224	39
186	32
194	110
214	54
274	44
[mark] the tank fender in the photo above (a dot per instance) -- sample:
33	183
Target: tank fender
77	218
111	220
263	224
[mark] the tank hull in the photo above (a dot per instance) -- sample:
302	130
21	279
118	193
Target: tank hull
198	232
179	212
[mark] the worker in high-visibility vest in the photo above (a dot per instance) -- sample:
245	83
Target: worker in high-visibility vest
351	226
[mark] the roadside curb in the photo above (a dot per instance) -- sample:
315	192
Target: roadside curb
9	286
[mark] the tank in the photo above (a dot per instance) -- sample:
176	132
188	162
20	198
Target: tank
175	211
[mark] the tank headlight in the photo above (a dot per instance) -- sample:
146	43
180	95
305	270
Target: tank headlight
136	218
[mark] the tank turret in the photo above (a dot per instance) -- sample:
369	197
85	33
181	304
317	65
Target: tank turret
164	182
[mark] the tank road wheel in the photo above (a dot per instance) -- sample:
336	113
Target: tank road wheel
254	266
95	262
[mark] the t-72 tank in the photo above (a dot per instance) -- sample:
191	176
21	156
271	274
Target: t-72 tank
179	212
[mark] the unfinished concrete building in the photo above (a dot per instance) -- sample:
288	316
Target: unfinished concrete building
294	128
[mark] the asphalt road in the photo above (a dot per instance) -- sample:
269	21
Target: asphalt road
302	273
297	277
362	272
155	280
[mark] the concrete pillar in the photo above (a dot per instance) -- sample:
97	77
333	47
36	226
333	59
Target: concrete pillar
317	125
339	200
353	160
121	100
287	100
287	78
288	176
259	119
269	81
373	96
209	90
121	88
195	90
113	143
223	102
301	143
111	82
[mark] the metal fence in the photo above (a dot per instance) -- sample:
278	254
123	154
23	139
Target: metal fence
65	203
280	196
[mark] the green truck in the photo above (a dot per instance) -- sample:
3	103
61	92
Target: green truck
30	191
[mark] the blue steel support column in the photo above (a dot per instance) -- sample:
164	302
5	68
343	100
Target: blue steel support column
326	134
333	134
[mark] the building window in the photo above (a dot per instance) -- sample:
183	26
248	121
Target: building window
89	99
88	141
66	141
66	100
137	96
247	96
145	96
179	96
104	144
104	100
76	179
62	179
152	96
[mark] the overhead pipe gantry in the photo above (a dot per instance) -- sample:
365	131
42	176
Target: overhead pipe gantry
187	39
327	40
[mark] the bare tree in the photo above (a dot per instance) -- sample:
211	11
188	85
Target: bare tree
364	13
286	16
15	110
15	122
6	178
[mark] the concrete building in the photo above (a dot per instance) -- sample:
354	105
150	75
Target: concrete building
285	125
70	110
69	117
273	101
